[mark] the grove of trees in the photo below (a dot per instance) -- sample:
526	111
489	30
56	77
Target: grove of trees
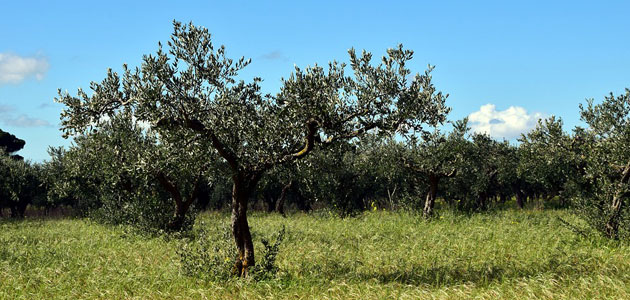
183	132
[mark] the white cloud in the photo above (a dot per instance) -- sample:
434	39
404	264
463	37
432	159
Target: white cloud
25	121
508	124
14	69
7	118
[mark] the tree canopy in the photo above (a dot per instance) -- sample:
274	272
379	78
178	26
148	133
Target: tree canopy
607	158
193	87
9	143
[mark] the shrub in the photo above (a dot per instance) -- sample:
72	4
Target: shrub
209	254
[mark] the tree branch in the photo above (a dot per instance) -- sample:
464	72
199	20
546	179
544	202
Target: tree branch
195	192
170	187
312	125
199	127
625	177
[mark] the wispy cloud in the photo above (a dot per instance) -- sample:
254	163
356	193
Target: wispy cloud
26	121
15	69
8	118
46	105
5	109
508	124
274	55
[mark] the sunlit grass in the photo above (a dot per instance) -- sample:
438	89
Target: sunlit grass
378	255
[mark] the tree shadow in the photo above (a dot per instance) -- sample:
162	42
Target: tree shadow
484	274
558	264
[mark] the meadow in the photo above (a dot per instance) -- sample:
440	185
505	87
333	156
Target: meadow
509	254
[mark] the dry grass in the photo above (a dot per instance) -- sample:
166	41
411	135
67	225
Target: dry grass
378	255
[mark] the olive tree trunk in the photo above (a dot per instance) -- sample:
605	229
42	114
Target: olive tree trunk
520	198
182	204
18	209
243	187
283	196
429	202
612	225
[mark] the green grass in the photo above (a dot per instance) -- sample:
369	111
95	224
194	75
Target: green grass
378	255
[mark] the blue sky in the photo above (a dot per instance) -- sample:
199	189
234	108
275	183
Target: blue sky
504	63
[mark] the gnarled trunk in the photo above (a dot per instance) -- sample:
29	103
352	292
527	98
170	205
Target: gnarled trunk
520	198
482	200
18	210
181	209
612	225
430	200
283	196
243	187
270	202
182	205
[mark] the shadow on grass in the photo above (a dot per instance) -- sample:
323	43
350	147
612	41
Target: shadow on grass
447	275
558	265
487	273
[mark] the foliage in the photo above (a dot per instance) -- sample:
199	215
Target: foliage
210	255
191	89
436	157
267	267
605	141
20	185
10	143
122	173
546	160
106	174
477	180
333	179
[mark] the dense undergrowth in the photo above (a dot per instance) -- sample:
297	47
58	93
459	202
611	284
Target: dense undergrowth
507	254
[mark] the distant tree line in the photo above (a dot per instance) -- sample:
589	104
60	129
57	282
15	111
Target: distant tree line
117	173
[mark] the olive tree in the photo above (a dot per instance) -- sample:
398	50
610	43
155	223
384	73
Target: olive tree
122	174
608	163
546	159
478	173
436	157
192	87
334	178
102	174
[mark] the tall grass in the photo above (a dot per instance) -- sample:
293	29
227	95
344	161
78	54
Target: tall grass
378	255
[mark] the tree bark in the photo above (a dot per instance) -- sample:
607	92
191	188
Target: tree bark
243	187
14	213
612	225
520	198
18	210
429	203
482	200
390	196
181	208
182	205
283	196
270	202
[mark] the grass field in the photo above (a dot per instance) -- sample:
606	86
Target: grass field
378	255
